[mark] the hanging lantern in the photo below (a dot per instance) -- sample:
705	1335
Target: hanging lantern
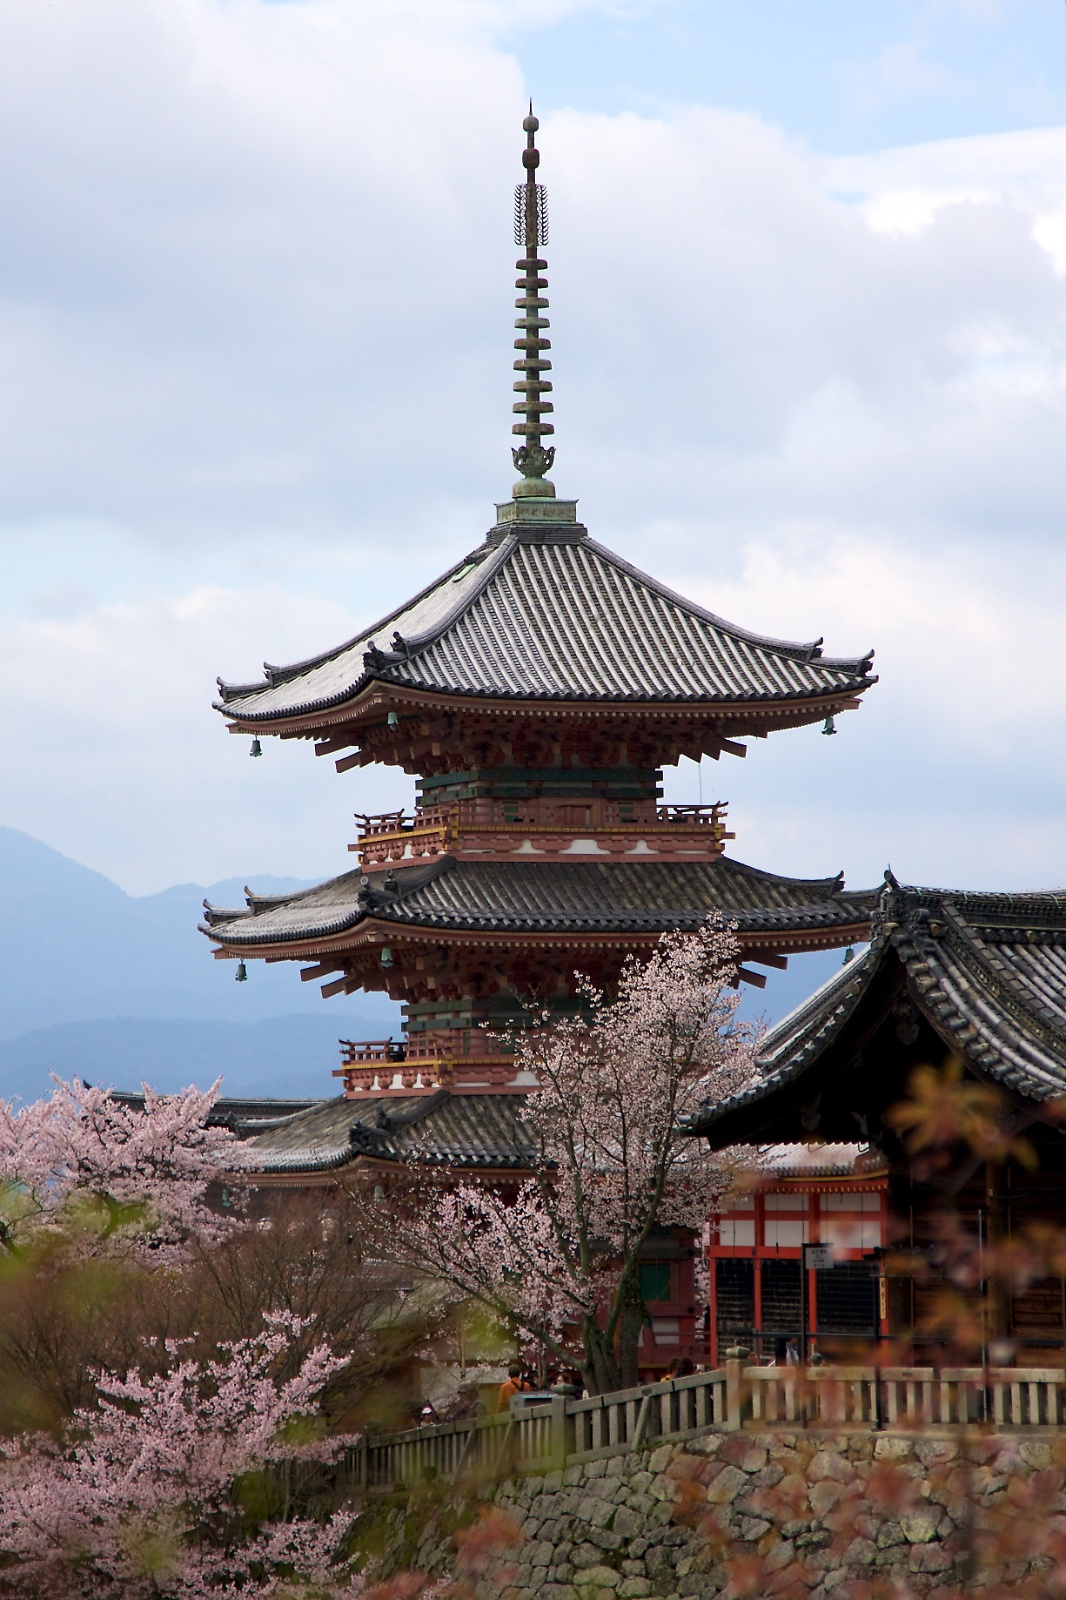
392	720
386	956
849	955
829	726
257	748
241	975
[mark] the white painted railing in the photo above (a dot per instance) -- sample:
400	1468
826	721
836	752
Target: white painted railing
564	1432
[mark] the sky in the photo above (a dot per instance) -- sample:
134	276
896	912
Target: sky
808	298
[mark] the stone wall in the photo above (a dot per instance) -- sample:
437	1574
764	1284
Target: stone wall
779	1514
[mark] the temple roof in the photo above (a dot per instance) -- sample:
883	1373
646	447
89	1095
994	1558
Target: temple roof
548	614
987	971
475	1131
578	895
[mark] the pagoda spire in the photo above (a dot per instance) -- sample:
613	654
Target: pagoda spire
531	458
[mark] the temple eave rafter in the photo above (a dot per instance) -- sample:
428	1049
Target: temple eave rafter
424	733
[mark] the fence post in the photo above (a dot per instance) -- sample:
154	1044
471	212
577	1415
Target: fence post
734	1399
560	1431
364	1463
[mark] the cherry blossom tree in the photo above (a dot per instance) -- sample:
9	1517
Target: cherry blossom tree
173	1485
608	1163
83	1160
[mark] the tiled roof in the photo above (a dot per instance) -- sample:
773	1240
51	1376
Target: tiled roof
988	971
552	616
547	897
471	1131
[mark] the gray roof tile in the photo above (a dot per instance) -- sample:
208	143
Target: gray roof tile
987	970
475	1131
557	619
551	897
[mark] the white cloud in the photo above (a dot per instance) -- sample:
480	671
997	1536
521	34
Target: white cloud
121	762
255	306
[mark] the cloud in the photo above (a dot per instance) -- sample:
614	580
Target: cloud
119	759
255	308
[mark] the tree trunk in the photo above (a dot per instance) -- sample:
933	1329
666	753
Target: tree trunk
599	1368
630	1327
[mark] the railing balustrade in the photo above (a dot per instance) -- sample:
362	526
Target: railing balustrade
562	1433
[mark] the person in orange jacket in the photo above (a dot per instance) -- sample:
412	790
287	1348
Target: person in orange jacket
517	1383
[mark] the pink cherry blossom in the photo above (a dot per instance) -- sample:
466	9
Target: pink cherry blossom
609	1162
142	1496
82	1156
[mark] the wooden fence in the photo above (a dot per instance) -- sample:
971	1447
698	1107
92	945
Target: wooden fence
562	1432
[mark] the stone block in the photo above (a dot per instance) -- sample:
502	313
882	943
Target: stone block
665	1489
584	1556
726	1486
860	1553
634	1569
595	1512
830	1464
1036	1453
891	1447
929	1558
889	1534
596	1577
741	1452
779	1555
595	1469
684	1466
634	1588
626	1522
552	1482
920	1524
542	1554
638	1502
935	1452
768	1477
659	1562
616	1467
751	1529
574	1476
659	1459
605	1539
823	1496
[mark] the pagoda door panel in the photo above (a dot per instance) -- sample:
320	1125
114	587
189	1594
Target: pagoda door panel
1036	1317
782	1302
734	1282
847	1299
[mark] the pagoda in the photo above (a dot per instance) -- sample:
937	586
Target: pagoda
535	691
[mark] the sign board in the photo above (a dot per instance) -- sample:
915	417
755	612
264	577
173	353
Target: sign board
817	1255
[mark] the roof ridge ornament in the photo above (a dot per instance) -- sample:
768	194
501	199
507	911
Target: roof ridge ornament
532	459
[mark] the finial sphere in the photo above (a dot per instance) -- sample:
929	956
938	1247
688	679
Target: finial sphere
530	124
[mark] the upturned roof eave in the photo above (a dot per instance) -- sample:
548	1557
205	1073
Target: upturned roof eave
968	1001
373	689
781	930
